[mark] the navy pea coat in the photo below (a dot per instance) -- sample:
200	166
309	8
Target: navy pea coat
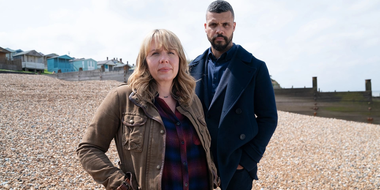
242	116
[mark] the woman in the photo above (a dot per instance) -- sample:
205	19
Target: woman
158	125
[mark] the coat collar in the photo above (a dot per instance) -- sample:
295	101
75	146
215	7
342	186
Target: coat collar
198	71
235	79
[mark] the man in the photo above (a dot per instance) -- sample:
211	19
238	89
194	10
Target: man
238	100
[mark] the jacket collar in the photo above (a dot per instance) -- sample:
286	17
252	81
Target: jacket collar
149	109
137	100
145	105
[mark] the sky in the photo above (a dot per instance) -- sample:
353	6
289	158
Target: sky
336	41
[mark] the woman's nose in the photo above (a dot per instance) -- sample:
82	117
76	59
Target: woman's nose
164	58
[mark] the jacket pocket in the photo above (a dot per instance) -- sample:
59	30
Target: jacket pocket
134	131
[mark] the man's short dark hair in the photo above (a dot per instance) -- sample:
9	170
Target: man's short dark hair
220	6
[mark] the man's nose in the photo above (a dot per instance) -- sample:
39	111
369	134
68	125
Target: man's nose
219	30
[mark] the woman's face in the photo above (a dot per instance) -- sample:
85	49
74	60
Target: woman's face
163	64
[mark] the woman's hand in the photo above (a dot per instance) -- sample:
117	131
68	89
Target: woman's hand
240	167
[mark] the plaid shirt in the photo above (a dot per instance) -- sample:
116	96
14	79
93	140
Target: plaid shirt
185	166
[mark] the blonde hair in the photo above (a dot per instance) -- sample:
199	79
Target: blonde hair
142	82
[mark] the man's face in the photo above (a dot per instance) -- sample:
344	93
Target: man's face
220	28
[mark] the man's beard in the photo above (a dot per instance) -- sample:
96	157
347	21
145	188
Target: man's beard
220	47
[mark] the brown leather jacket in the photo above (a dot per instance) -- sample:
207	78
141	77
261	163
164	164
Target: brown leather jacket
139	135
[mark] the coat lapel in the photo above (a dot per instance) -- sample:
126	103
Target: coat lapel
222	85
235	79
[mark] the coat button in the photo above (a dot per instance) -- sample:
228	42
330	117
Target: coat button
162	131
239	111
178	123
242	137
158	167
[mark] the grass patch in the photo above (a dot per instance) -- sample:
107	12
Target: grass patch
339	109
16	71
46	72
351	96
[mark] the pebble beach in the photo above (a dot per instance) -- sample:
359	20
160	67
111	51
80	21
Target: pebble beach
42	120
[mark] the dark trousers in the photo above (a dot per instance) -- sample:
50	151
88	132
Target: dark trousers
240	181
